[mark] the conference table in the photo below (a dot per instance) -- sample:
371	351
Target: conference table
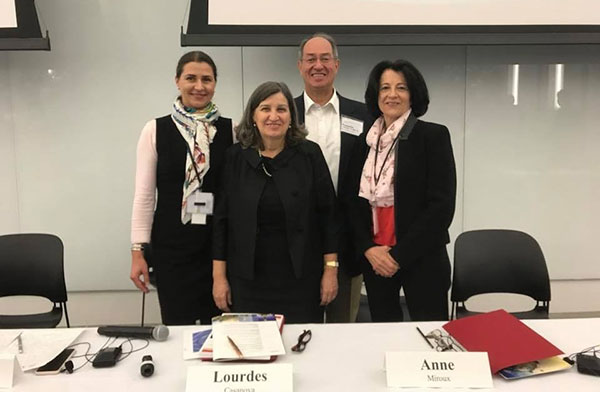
339	358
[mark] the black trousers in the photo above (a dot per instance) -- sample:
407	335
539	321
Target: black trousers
185	291
425	284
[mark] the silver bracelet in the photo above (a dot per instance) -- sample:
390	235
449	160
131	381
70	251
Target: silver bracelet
137	246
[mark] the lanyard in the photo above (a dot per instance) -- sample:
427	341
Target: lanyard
194	164
375	175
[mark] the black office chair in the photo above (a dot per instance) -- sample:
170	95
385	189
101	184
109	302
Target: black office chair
31	264
499	261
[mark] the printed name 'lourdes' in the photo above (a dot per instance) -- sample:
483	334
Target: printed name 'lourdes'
250	377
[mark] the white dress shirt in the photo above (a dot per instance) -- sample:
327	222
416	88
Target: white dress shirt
323	126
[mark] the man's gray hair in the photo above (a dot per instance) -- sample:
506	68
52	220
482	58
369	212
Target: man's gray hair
325	36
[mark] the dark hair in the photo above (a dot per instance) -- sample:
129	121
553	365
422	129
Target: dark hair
246	132
195	56
419	95
325	36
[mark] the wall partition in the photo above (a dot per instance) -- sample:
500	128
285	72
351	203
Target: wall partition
523	119
532	140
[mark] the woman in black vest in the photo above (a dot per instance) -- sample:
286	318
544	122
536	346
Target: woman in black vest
179	158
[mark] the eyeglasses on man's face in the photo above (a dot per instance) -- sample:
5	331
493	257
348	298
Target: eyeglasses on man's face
303	339
324	59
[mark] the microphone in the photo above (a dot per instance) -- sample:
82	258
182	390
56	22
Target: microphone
147	367
159	333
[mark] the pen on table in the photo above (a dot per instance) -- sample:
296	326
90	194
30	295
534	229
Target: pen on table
235	347
20	342
425	338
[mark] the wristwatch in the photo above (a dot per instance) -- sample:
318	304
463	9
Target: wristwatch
332	264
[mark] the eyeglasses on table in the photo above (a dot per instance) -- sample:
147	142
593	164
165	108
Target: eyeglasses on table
303	340
443	341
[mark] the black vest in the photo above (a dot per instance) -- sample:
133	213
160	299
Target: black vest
170	238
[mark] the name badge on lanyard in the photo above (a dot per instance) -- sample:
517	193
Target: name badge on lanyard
200	204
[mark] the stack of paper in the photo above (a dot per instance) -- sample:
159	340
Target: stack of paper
38	346
234	337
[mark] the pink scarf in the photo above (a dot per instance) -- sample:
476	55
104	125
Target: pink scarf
377	179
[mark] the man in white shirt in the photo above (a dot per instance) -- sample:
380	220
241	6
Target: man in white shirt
335	123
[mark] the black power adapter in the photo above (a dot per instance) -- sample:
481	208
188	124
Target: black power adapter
107	357
588	364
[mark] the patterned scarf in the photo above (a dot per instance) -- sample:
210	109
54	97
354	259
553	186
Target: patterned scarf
197	129
377	179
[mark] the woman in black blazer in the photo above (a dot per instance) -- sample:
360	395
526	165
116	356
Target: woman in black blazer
405	178
276	229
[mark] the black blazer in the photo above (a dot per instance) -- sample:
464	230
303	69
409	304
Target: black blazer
304	185
356	110
424	192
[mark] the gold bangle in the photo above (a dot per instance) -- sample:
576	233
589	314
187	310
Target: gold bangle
332	264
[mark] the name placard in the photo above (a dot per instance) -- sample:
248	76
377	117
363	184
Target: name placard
8	366
438	369
240	378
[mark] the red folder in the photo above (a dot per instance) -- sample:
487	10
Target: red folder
506	339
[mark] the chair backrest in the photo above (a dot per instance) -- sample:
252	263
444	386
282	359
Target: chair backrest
499	261
32	264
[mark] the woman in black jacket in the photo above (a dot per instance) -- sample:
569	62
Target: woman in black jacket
405	178
276	229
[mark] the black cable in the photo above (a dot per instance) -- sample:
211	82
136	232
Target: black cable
124	354
571	358
89	357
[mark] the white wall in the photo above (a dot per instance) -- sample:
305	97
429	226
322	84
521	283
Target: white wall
92	308
534	166
70	119
76	116
9	210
